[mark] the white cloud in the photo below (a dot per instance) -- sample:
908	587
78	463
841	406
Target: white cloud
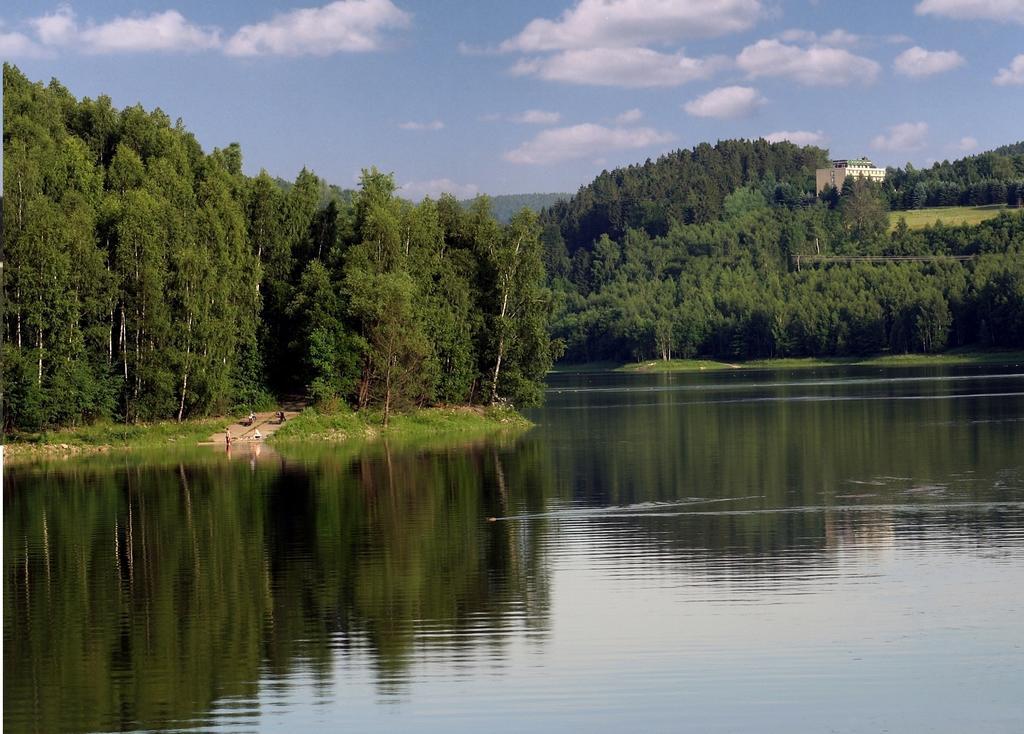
15	45
413	125
537	117
1011	11
629	117
619	67
343	25
56	28
725	102
837	37
798	35
967	144
813	66
1013	74
919	62
166	31
606	23
468	49
797	137
905	136
433	188
583	141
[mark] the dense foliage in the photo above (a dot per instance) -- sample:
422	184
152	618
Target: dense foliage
731	287
995	177
686	186
147	279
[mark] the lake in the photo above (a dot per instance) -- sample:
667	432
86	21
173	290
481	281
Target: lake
828	550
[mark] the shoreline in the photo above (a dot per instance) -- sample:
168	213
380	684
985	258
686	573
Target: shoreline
311	425
884	360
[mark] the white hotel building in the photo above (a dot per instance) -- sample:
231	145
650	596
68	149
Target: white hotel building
859	167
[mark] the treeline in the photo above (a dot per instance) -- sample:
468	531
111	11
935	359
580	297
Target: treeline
147	279
682	187
731	288
994	177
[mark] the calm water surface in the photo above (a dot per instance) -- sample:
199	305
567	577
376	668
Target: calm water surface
834	550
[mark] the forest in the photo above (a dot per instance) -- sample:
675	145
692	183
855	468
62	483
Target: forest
699	253
994	177
146	279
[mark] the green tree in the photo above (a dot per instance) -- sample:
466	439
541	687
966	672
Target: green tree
517	340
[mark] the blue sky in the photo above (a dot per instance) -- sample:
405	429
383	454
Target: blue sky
525	96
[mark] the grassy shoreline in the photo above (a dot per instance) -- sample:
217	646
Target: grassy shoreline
885	360
423	423
440	423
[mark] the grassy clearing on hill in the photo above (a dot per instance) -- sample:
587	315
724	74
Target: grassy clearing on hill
921	218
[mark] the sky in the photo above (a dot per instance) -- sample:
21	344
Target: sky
499	96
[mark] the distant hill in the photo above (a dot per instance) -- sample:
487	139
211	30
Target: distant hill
505	205
328	192
1011	149
691	186
685	187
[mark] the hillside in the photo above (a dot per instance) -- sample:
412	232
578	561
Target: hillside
691	186
685	186
503	206
989	178
695	254
950	215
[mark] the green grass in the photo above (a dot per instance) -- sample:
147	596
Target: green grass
678	365
921	218
419	425
107	435
884	360
424	426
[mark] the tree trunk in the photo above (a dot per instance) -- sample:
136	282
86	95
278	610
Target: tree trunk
497	369
364	386
184	387
507	278
184	378
140	319
387	392
122	337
